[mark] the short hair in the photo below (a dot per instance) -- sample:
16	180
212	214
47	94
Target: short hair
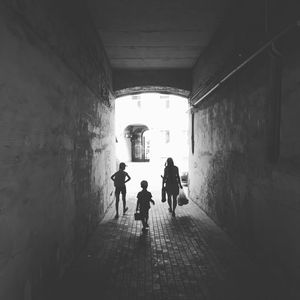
144	184
122	166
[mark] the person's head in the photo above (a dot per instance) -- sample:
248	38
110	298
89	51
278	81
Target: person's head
144	184
122	166
170	161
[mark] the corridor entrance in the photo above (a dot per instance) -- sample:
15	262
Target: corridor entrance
150	127
186	257
234	67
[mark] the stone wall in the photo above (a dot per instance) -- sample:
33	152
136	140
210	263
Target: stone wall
56	141
244	168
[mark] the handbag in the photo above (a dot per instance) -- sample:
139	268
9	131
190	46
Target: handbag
182	199
163	194
163	191
137	216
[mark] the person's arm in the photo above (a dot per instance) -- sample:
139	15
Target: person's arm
113	177
178	178
137	205
163	181
128	177
151	200
164	177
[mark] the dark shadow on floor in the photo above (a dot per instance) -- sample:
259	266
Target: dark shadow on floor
186	257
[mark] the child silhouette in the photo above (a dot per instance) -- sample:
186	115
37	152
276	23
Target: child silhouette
143	204
119	179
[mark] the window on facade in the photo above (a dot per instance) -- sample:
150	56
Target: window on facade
165	136
167	103
137	99
166	99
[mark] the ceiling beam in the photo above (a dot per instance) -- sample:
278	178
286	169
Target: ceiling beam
176	81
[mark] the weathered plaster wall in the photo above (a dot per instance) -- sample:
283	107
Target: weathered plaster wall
56	141
236	174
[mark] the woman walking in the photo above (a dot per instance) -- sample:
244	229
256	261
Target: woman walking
171	182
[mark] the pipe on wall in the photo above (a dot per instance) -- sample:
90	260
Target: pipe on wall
246	61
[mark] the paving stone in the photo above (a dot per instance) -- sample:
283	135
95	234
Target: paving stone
186	257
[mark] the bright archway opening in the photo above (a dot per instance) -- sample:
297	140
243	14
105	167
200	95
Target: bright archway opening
151	127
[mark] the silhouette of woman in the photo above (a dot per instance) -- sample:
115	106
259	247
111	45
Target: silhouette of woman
172	182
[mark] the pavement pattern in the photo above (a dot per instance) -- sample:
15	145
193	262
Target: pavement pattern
182	257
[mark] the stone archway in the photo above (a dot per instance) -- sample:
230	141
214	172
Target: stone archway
151	89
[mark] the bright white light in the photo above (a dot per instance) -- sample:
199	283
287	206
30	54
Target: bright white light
166	118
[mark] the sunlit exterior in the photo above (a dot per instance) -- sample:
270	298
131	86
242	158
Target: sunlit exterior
151	127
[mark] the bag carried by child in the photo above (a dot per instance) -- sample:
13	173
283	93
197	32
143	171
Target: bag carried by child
138	216
182	198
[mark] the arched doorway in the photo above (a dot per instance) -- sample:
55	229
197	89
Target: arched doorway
139	142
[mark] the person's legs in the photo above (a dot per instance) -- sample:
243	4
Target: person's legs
144	223
124	200
144	215
146	219
174	203
170	202
117	193
124	203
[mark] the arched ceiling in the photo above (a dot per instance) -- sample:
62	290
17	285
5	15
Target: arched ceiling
156	34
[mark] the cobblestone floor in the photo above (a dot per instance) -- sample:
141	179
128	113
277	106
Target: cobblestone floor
186	257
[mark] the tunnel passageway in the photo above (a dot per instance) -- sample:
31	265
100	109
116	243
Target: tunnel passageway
65	65
186	257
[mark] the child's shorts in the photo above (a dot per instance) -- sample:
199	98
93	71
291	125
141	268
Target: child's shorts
120	189
145	213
